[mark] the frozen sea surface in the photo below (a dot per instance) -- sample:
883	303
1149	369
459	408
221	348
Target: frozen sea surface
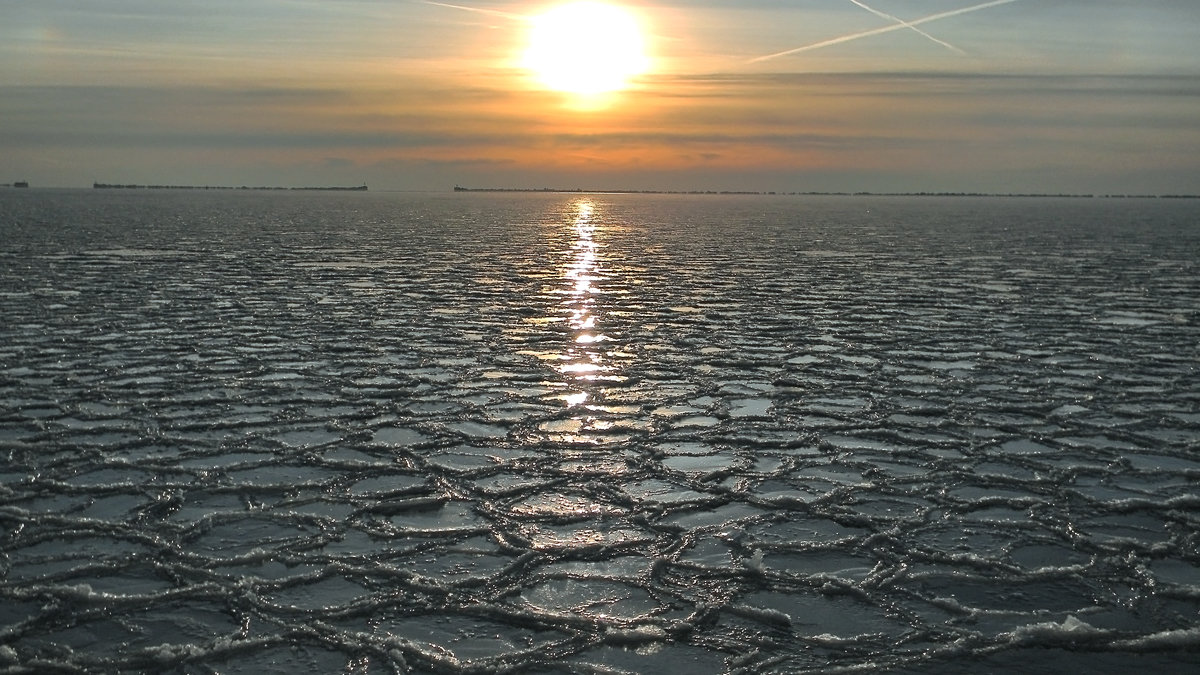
371	433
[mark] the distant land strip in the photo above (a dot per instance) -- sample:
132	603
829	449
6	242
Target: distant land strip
458	188
117	186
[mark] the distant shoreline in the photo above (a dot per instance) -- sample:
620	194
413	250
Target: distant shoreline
548	190
117	186
458	188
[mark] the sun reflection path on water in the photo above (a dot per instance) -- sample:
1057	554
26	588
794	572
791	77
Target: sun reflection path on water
588	362
583	362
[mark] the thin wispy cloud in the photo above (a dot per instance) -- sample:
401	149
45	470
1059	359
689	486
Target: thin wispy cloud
906	24
885	29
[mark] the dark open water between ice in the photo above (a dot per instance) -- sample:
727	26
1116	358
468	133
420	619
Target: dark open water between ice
285	433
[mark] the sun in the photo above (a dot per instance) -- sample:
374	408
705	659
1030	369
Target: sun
586	48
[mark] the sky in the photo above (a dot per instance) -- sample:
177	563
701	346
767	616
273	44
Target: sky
1046	96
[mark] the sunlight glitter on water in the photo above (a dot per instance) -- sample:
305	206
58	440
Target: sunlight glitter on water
582	362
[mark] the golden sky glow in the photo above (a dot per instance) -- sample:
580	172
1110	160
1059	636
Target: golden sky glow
1073	95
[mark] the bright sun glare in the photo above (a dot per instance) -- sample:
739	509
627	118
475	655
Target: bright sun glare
586	48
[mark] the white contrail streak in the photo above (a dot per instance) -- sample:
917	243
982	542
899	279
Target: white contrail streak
906	24
479	10
885	29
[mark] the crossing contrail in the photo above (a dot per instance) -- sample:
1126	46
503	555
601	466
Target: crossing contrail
885	29
906	24
479	10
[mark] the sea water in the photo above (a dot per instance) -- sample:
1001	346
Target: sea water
247	432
